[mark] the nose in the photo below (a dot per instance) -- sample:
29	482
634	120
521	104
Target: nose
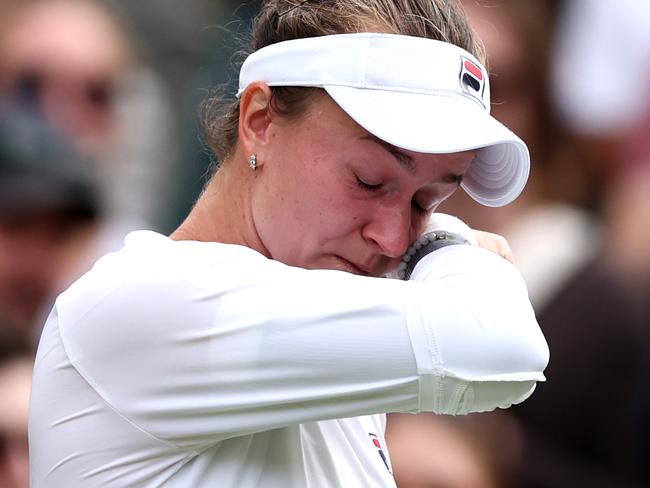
390	230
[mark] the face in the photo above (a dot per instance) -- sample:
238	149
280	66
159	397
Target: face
329	195
67	57
33	253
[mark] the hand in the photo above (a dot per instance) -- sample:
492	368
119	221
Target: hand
487	240
495	243
439	222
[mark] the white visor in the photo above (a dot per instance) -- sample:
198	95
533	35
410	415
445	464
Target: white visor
414	93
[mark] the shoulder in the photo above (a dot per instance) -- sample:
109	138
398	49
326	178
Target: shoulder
151	284
149	260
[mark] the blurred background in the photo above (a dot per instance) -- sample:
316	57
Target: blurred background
100	135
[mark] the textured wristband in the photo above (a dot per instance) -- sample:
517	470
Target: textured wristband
428	243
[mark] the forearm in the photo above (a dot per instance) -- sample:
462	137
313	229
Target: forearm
285	345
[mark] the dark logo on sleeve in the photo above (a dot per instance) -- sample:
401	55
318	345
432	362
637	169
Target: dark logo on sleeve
377	443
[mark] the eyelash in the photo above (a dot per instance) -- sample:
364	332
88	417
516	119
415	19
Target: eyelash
370	188
367	186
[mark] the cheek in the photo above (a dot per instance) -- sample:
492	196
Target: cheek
298	212
275	209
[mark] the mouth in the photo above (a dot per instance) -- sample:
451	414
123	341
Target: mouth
353	268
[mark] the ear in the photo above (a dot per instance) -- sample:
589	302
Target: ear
254	117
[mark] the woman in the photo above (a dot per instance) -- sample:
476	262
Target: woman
257	346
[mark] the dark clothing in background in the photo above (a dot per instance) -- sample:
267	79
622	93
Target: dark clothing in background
580	424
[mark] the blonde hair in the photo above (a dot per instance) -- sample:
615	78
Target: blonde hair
283	20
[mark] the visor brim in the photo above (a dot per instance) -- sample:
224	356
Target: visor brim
439	124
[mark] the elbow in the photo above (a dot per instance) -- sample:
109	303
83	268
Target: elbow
508	376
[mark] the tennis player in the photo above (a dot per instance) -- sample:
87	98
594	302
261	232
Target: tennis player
261	344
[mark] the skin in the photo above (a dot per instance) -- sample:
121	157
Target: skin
78	54
37	252
15	383
326	194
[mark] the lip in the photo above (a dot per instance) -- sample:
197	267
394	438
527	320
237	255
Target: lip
352	267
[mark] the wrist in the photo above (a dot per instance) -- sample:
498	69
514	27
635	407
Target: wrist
426	244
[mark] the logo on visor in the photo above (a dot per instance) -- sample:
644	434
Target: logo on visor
472	79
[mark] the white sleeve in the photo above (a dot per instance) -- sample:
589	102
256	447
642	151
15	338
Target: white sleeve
485	342
194	352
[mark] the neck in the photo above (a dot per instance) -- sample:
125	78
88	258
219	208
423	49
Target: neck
223	212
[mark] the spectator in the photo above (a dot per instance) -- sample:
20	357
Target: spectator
589	311
48	208
433	451
16	361
73	60
601	75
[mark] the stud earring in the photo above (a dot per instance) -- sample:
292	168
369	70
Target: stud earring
252	162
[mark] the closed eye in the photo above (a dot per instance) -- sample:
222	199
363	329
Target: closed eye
367	186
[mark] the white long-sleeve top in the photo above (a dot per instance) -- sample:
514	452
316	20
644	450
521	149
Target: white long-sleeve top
193	364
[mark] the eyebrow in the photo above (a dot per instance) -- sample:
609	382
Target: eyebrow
407	161
403	158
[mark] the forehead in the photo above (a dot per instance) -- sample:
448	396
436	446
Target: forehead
70	35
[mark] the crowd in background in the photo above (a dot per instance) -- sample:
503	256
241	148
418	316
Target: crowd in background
100	134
